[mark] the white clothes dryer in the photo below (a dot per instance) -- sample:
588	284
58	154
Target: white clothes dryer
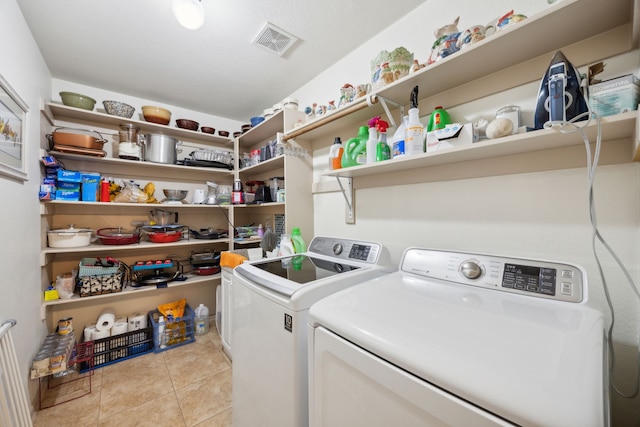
460	339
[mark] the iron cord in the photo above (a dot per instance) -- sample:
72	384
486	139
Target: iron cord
596	236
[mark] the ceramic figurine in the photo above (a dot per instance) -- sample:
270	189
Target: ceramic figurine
446	41
347	93
386	75
331	106
398	61
320	110
363	89
310	112
508	19
472	35
416	66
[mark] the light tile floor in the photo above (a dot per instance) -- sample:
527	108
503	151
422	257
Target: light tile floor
185	386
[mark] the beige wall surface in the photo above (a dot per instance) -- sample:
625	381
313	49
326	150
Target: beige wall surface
536	205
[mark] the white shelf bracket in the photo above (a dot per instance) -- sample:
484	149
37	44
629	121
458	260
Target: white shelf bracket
384	103
350	213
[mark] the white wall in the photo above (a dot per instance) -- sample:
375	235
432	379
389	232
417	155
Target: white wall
24	69
532	215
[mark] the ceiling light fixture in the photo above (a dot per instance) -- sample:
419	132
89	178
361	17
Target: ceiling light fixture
189	13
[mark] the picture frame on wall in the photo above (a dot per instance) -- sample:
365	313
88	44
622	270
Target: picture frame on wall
13	113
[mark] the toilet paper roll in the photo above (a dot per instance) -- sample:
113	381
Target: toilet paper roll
120	326
96	335
106	320
137	321
88	331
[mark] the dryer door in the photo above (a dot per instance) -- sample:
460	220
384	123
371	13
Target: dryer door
352	387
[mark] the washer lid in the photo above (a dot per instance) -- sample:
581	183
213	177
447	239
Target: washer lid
529	360
285	275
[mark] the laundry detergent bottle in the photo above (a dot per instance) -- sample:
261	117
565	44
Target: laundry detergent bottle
299	246
439	119
335	154
355	149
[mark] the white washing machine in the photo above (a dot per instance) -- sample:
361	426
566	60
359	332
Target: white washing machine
460	339
271	300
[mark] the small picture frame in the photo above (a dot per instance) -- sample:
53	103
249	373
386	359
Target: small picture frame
13	112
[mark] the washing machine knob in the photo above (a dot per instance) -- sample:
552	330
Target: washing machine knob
470	269
338	248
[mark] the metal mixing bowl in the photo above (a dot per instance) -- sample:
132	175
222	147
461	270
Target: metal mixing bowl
175	195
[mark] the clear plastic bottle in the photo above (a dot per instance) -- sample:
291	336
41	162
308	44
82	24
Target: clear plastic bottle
299	245
202	319
162	336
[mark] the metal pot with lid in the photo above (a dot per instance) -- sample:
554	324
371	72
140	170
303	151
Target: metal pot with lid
69	237
159	148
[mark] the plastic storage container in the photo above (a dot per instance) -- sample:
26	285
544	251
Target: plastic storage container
179	332
120	347
202	319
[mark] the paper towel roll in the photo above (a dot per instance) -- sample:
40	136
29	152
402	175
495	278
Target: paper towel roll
106	320
137	321
120	326
88	330
96	335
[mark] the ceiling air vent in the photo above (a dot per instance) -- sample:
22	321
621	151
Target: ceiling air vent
274	39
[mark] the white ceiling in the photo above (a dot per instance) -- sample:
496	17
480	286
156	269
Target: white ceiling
136	47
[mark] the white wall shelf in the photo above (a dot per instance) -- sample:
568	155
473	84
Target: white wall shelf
613	127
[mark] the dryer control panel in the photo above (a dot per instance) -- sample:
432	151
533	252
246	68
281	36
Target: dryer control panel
537	278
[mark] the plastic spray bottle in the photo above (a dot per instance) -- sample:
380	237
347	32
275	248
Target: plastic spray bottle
335	154
372	142
414	132
355	149
397	141
383	152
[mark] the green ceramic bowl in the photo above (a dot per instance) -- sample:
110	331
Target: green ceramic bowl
77	100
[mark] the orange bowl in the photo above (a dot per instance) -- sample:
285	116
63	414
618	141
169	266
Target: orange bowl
158	115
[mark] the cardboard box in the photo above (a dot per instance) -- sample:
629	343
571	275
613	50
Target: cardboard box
64	175
90	191
67	195
90	177
71	186
452	136
615	96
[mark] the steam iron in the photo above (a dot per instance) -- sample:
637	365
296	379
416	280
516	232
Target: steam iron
560	98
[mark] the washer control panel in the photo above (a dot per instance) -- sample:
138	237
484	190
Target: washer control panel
537	278
346	249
